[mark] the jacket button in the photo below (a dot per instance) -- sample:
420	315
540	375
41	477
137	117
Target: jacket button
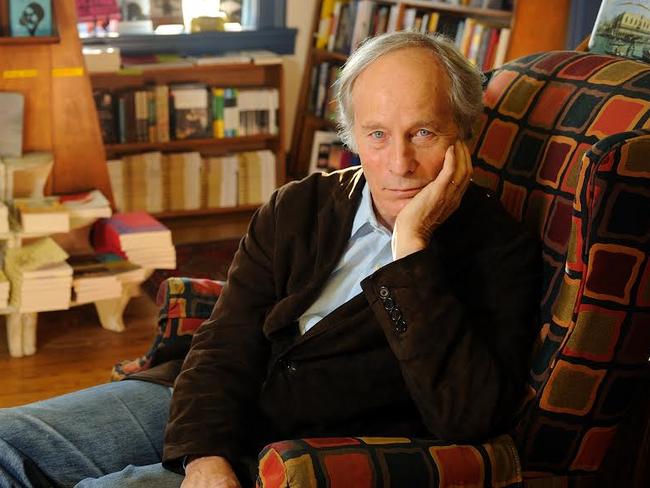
290	367
389	304
395	314
400	326
383	292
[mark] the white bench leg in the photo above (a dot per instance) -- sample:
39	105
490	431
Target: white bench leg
21	334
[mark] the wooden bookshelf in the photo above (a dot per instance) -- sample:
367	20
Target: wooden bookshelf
204	223
229	144
527	35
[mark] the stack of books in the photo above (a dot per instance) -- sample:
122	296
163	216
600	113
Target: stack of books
91	281
4	290
40	215
138	237
40	277
101	276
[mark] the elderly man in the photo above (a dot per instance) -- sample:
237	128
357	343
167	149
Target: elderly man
395	299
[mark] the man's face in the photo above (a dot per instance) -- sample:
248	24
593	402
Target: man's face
403	125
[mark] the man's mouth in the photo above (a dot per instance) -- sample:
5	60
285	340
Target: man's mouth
405	192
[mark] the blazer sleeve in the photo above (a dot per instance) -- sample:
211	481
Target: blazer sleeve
463	350
215	401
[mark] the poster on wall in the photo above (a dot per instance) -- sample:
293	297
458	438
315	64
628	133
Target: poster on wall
30	18
622	28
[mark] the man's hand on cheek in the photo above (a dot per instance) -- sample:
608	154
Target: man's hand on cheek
417	221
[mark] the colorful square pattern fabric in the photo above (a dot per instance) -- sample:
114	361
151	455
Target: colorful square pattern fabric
185	303
372	462
572	161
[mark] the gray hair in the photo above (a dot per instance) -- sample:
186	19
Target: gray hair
466	81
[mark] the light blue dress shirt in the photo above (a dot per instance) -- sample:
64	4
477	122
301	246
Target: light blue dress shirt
368	249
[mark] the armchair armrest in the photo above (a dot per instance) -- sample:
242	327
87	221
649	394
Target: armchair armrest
366	462
185	303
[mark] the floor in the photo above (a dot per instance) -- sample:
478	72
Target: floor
73	352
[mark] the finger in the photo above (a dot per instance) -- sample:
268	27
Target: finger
469	166
460	173
448	169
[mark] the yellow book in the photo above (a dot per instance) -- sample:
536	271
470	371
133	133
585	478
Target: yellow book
433	22
35	255
324	23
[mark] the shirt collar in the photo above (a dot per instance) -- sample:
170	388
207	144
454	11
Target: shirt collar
365	218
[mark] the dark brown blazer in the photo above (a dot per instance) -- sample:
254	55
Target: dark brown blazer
436	345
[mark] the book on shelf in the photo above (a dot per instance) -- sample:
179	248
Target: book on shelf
321	140
137	236
40	215
182	181
501	48
117	179
190	112
256	177
106	112
324	23
25	176
143	185
329	154
30	18
219	181
11	124
322	102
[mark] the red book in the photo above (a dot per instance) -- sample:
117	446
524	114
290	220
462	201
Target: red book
125	231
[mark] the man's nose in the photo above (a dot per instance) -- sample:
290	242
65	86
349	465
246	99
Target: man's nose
403	158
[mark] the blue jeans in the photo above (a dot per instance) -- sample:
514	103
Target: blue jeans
107	436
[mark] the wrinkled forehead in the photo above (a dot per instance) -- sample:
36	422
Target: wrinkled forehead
409	67
406	79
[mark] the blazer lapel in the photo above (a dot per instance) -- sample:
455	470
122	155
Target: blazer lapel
334	223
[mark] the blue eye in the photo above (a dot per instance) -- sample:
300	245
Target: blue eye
377	134
423	133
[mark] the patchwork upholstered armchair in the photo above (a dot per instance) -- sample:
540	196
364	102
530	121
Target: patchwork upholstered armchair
564	143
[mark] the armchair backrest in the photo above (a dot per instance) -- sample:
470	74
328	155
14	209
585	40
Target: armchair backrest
564	142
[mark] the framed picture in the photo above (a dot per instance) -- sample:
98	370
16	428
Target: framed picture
622	28
29	18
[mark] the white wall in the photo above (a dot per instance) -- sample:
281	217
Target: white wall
300	14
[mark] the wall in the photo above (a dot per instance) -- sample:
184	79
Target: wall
300	14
